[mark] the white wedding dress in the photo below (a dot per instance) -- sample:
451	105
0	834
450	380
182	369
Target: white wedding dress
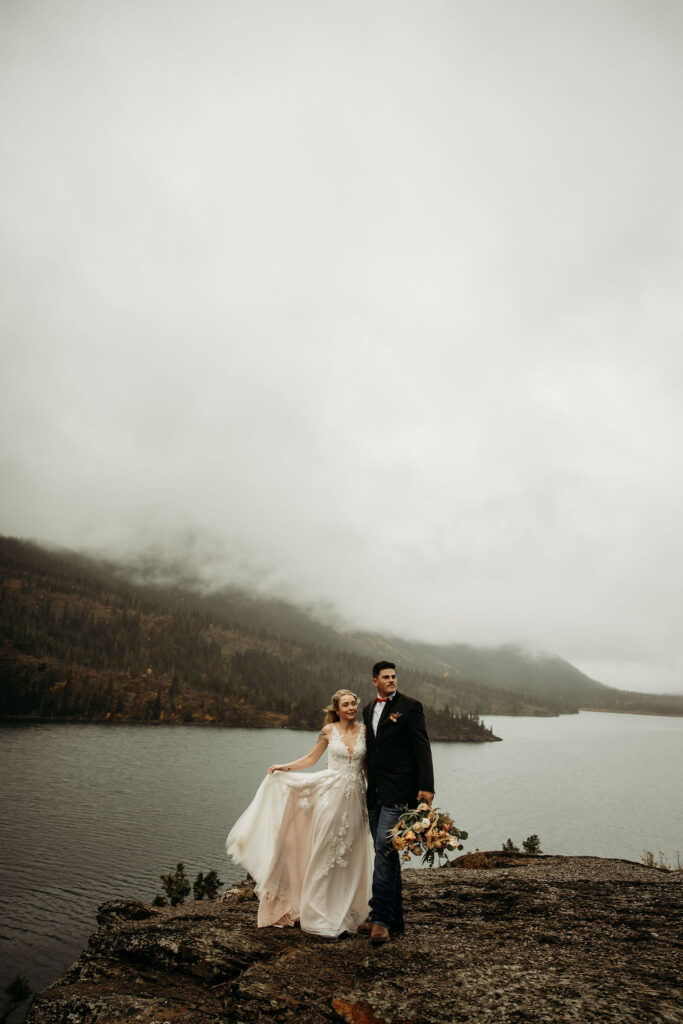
305	839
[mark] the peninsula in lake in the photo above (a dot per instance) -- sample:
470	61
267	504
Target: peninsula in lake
89	640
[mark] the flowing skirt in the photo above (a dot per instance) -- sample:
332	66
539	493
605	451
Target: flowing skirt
305	839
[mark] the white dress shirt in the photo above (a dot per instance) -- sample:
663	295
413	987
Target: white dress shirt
377	713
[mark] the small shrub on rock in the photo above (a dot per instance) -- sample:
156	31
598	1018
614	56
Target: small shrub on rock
477	860
176	885
651	861
532	845
16	993
206	885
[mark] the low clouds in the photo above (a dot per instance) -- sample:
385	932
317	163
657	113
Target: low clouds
378	301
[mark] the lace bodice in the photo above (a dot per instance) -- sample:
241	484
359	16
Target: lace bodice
338	757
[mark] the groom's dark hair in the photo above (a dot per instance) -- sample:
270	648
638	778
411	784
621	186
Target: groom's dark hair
380	666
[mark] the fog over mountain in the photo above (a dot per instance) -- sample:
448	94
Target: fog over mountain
375	306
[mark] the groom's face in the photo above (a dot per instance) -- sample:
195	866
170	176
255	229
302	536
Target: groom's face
385	682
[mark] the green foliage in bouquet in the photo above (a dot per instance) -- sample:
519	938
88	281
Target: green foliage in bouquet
427	832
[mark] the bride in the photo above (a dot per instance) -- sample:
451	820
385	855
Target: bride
305	838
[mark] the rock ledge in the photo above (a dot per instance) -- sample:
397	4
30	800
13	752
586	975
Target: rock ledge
526	939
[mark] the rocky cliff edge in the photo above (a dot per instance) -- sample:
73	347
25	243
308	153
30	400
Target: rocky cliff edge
518	939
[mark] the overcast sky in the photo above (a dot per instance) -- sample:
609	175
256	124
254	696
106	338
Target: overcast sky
373	304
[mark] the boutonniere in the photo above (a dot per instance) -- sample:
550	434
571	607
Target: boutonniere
395	715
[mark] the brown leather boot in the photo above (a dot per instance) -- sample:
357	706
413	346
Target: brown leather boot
365	928
379	935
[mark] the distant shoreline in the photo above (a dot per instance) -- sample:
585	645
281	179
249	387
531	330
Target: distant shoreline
42	720
654	714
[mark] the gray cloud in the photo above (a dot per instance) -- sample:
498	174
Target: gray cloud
381	300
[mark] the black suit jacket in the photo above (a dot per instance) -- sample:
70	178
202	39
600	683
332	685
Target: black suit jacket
399	758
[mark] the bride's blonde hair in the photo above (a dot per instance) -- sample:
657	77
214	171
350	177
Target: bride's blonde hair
332	708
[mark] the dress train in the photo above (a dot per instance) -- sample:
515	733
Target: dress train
305	839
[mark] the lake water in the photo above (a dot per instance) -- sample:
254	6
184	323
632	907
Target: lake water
90	812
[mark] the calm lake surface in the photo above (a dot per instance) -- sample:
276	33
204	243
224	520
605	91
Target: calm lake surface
90	812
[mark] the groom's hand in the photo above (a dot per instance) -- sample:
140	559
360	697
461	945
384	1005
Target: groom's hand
424	795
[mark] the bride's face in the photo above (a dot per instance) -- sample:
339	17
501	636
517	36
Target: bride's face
347	708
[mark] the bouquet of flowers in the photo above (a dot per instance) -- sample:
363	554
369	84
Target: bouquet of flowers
427	831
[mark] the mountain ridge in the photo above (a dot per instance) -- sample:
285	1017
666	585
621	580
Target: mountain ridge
78	642
233	644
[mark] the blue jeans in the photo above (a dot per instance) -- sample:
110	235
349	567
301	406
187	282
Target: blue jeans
386	905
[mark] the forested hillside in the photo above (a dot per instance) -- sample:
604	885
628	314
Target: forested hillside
178	584
79	639
80	643
540	677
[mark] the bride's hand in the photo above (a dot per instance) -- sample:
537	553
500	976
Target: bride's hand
274	768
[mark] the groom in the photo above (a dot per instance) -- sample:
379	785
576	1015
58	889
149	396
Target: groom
400	775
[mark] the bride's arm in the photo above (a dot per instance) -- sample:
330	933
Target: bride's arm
310	759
